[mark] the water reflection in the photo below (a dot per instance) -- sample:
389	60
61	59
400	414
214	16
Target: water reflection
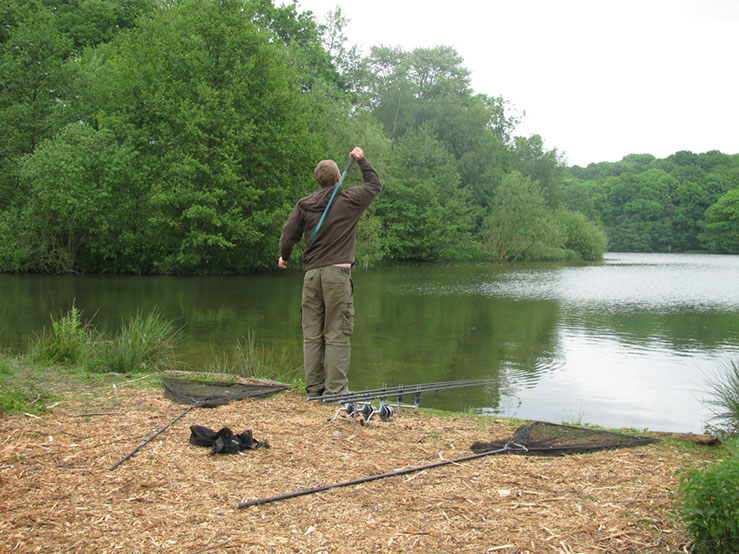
626	342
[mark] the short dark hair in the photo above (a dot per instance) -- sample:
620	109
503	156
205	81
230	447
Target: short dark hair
326	172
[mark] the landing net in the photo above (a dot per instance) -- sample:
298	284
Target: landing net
215	393
545	438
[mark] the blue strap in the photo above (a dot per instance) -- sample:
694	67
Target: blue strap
331	200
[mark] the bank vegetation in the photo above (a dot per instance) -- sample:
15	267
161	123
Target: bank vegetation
174	137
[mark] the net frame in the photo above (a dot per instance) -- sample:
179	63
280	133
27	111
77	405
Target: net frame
517	444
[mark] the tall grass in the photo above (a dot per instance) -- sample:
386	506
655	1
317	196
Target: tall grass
252	359
146	342
725	400
66	341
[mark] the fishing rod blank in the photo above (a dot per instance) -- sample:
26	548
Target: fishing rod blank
400	392
398	387
404	389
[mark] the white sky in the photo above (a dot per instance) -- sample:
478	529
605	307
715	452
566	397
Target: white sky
596	79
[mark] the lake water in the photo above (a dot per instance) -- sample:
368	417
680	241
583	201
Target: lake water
629	342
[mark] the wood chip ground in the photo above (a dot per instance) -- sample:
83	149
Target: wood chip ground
58	494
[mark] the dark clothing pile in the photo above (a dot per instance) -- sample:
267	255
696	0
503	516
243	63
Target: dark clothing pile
224	441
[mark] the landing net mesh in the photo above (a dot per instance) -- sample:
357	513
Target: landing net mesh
545	438
215	393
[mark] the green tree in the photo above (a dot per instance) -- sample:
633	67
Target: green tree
517	220
214	106
648	204
543	166
690	202
723	223
346	60
91	22
73	183
582	235
426	215
399	85
34	91
430	87
638	213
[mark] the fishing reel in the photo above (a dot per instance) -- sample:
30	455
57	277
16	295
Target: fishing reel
366	411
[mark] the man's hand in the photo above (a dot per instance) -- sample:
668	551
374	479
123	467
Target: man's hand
282	263
357	153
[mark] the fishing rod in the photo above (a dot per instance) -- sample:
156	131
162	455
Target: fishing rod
331	200
402	390
331	397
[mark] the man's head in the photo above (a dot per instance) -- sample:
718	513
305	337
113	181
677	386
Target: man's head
327	173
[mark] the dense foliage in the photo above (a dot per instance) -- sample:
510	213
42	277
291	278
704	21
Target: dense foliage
174	137
709	503
686	202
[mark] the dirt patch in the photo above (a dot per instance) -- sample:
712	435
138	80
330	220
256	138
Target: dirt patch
57	493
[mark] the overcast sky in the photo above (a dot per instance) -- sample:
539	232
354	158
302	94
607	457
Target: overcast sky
597	79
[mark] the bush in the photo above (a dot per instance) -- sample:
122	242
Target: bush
540	252
709	504
583	236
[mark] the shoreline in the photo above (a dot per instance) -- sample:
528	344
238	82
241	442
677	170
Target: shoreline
60	493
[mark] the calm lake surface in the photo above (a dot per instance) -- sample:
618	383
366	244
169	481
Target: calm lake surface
629	342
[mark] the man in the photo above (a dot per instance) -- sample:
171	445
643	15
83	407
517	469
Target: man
327	300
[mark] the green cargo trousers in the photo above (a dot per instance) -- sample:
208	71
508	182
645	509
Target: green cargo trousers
328	323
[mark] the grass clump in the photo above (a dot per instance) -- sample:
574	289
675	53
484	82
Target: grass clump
65	342
252	359
146	342
725	400
709	503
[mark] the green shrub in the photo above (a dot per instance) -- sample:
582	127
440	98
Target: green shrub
540	252
583	236
725	401
709	504
65	342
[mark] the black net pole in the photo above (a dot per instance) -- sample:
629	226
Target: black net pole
522	441
151	438
367	479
